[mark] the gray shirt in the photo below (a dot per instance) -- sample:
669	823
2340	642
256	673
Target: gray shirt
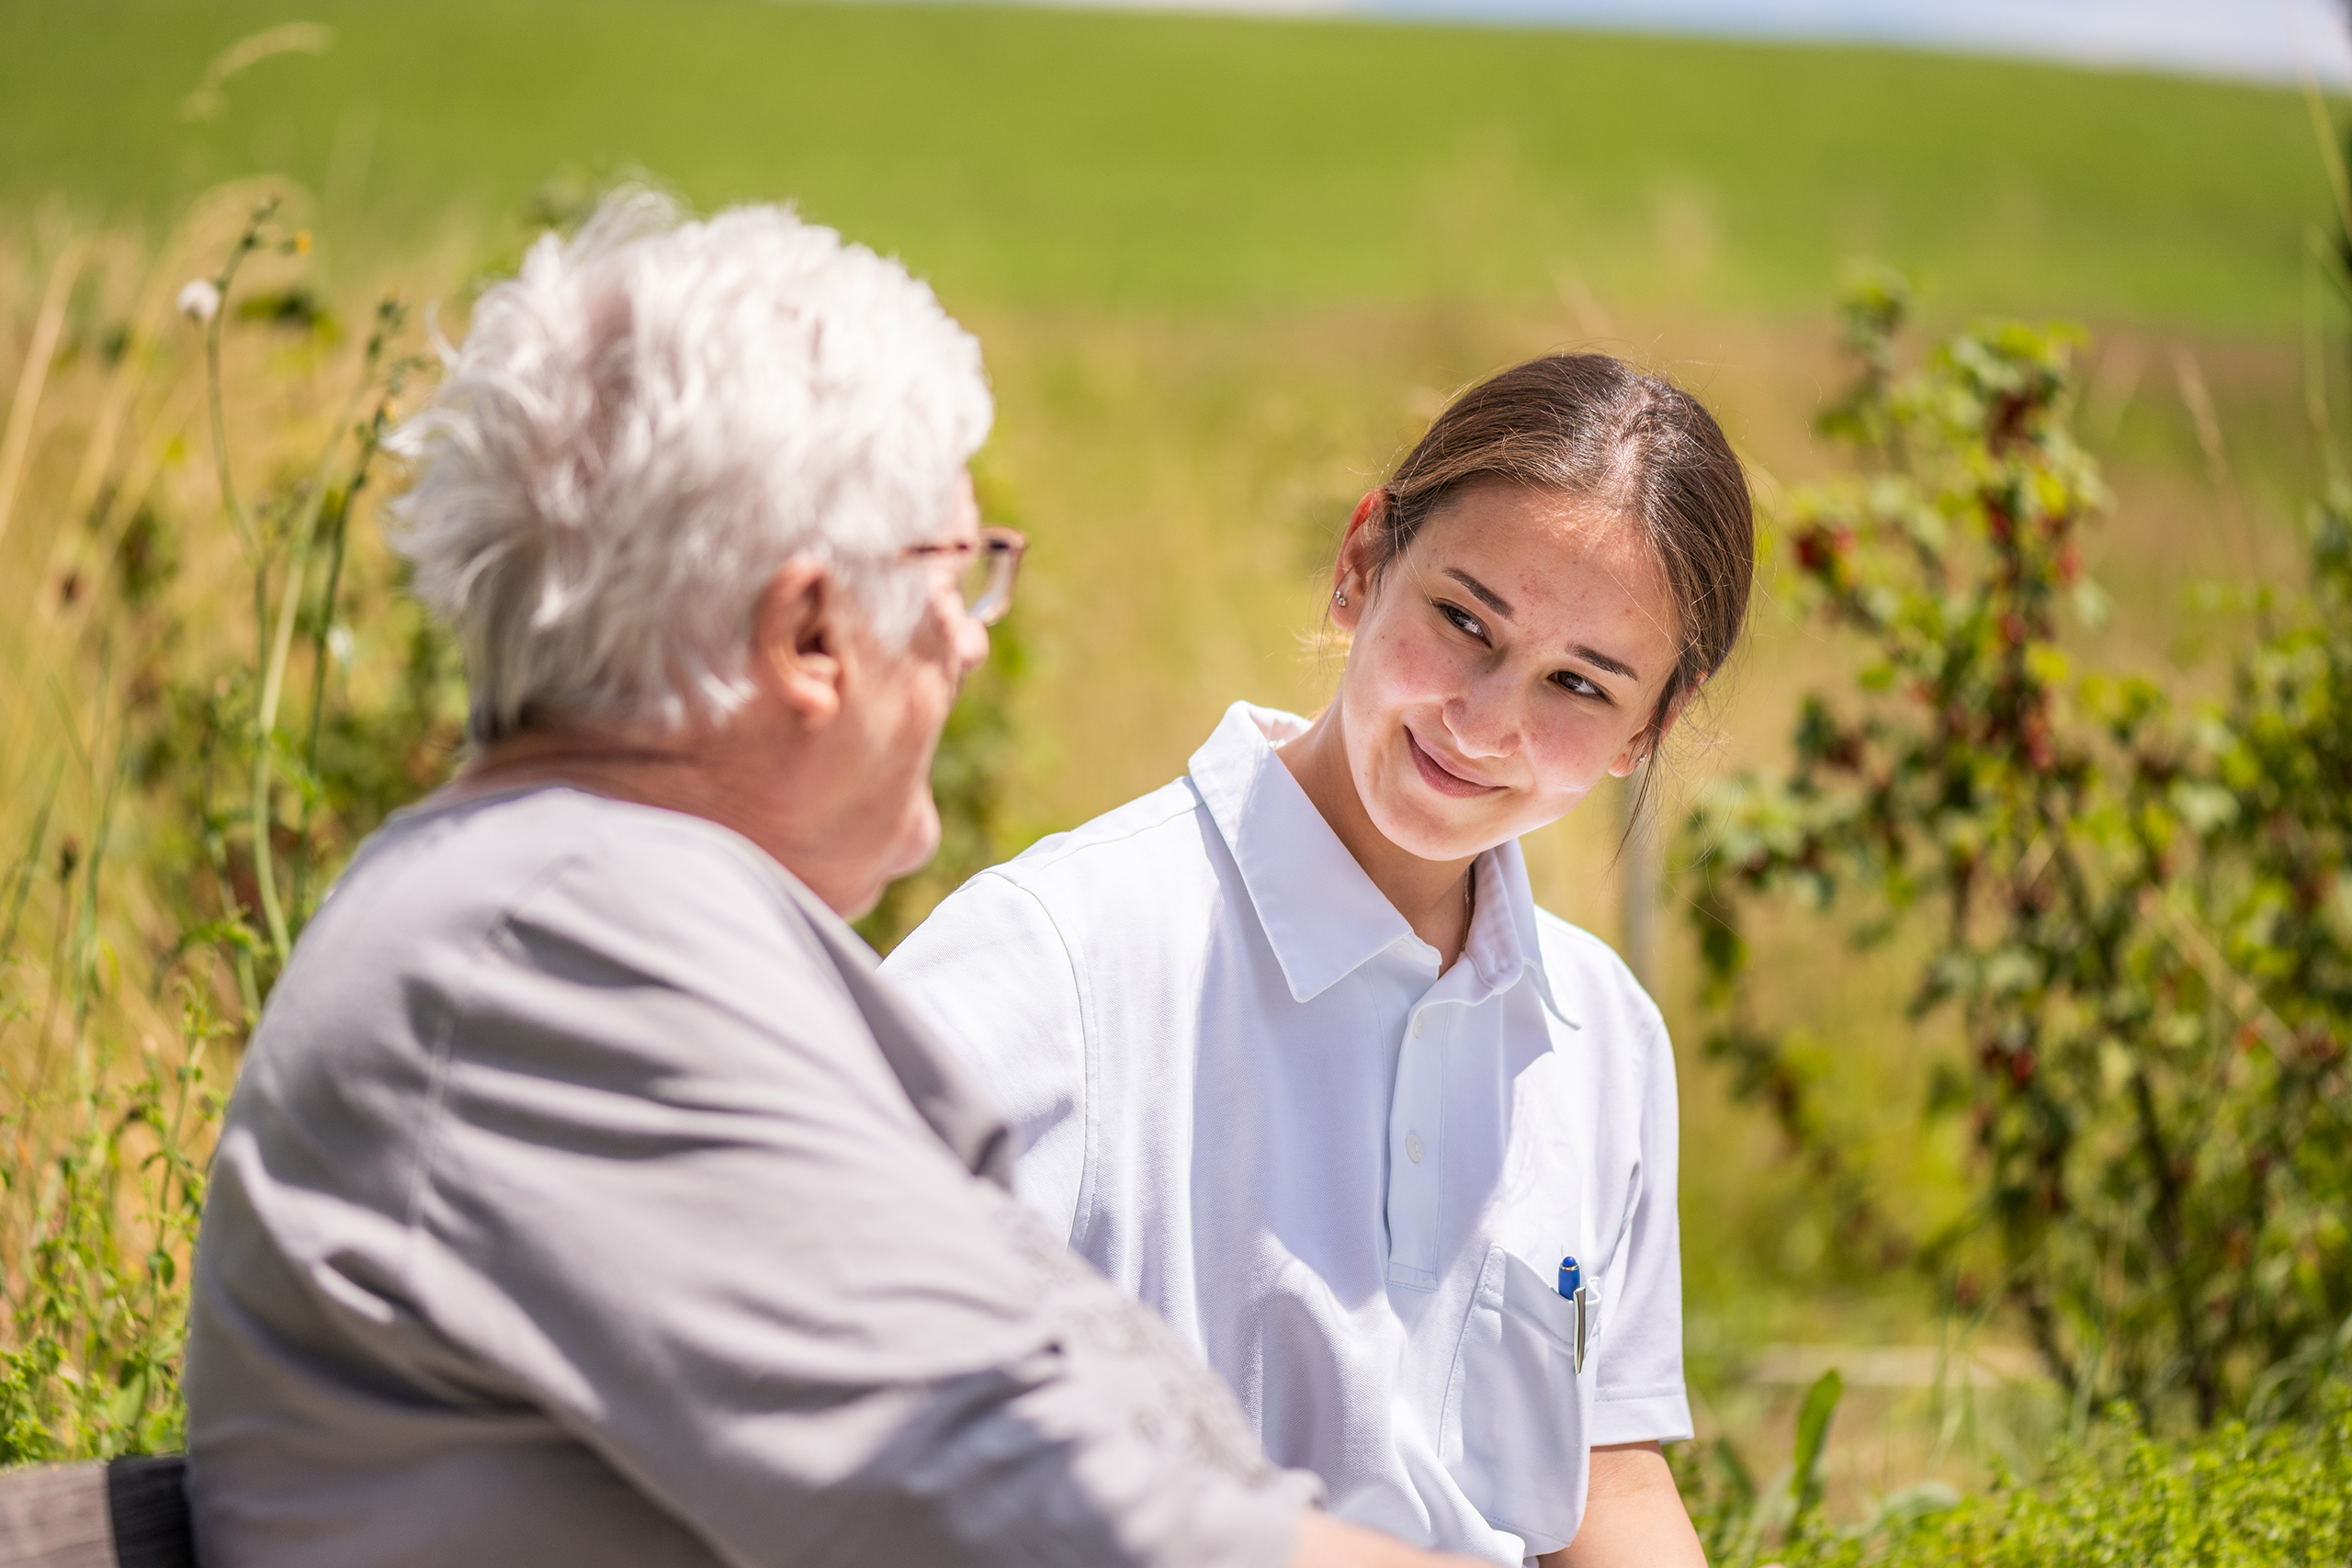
585	1199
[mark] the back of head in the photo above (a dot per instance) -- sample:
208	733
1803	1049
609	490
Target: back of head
1591	426
645	424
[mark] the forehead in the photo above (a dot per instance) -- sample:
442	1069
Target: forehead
1546	551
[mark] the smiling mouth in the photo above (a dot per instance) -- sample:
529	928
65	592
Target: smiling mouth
1442	779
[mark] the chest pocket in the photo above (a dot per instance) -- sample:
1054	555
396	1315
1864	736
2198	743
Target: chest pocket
1516	1411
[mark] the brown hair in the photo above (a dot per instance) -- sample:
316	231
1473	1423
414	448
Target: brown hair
1592	426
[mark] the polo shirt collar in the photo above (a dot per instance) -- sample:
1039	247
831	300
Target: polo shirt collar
1504	944
1323	916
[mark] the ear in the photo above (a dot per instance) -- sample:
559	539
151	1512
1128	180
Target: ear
1352	573
798	641
1637	751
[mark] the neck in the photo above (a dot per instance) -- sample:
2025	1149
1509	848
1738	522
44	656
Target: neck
702	772
1433	895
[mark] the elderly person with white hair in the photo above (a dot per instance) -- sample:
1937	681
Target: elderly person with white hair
586	1199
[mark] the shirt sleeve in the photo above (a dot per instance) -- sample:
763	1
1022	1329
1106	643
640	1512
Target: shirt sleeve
991	971
1640	1396
675	1198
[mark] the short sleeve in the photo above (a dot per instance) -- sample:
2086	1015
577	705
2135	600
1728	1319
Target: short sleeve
1640	1396
990	972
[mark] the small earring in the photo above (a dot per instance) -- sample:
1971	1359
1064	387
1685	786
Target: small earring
1339	598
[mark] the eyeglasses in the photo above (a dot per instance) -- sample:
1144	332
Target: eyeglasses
985	569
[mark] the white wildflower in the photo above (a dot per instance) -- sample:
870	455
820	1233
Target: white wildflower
200	300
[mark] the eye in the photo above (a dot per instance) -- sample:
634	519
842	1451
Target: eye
1577	685
1462	620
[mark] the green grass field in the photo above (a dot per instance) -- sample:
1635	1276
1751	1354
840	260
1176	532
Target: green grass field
1047	156
1223	268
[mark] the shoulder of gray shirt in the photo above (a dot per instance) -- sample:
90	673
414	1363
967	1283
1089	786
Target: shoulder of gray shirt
466	869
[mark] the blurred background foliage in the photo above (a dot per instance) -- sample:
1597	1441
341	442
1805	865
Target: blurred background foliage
1224	270
2140	911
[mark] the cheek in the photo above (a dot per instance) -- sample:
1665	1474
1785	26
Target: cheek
929	696
898	737
1401	666
1569	758
1574	756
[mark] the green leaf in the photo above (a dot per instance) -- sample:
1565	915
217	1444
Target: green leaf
1813	1434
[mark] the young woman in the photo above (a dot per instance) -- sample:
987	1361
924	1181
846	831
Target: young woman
1297	1060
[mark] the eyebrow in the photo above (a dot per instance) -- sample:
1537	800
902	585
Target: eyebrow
1485	595
1593	655
1501	606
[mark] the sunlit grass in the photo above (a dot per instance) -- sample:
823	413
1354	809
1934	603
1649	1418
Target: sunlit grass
1224	271
1047	157
206	702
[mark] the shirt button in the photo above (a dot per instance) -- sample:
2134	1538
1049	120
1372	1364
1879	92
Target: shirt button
1420	1021
1413	1147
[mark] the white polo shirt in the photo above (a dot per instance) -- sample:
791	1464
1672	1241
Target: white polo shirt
1252	1099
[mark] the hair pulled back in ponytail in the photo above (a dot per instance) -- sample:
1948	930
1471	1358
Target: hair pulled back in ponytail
1591	426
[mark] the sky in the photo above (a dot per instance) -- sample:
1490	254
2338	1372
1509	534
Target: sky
2268	41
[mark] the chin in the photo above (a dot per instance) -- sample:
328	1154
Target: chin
919	842
864	904
1425	824
908	852
1439	844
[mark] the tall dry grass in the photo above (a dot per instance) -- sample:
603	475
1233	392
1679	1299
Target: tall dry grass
210	689
1183	474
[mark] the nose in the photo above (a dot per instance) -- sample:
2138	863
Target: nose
1482	717
971	644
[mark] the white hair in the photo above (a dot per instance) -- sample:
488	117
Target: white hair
643	426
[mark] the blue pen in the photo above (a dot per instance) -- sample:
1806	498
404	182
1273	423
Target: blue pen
1572	1287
